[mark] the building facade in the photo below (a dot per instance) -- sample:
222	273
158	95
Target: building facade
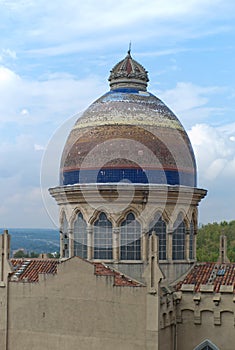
127	277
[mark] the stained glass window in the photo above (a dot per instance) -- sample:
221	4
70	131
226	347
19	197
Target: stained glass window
80	237
130	238
159	227
103	240
178	239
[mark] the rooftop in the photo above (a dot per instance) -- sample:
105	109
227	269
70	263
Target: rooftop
213	275
120	279
28	270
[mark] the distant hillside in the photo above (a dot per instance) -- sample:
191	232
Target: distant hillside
34	240
208	240
47	240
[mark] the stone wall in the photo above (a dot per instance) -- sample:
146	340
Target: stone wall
206	315
76	309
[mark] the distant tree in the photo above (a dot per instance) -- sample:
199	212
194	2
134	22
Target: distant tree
208	241
34	255
54	255
20	254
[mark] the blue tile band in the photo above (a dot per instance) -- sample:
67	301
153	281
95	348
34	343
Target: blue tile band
106	175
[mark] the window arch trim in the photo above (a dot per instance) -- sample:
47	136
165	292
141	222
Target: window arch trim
206	345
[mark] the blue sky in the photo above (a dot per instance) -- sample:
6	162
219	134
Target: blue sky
55	59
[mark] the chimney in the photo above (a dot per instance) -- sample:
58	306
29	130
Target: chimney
5	268
223	250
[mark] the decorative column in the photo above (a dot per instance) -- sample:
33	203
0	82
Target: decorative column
169	233
61	244
71	242
89	242
116	243
144	244
195	246
187	242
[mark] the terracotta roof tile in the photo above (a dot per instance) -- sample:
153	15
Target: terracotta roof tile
28	270
120	279
215	274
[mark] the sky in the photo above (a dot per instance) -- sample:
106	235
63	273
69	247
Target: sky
55	58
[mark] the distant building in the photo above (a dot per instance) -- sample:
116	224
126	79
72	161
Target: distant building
127	278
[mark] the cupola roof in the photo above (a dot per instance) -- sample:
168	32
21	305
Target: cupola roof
128	73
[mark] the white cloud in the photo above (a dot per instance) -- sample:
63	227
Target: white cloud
52	99
214	151
34	104
53	28
186	96
21	201
24	111
9	53
22	207
39	147
33	107
192	102
215	154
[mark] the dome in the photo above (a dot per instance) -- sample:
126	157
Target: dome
128	135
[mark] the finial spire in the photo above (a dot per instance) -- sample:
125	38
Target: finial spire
128	73
129	50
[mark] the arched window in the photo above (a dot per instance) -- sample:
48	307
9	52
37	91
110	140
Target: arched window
159	227
206	345
103	238
130	238
65	237
191	240
80	237
178	239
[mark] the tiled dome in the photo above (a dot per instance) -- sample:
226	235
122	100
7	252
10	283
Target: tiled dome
128	134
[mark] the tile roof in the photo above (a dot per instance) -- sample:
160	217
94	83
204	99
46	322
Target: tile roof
120	279
28	270
214	274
